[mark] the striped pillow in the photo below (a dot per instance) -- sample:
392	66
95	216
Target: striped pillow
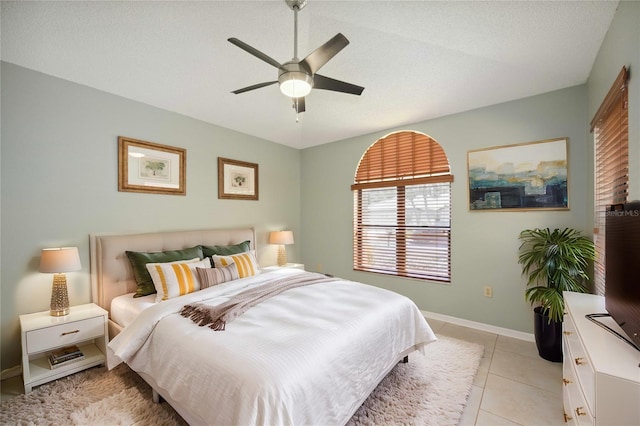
175	279
246	263
214	276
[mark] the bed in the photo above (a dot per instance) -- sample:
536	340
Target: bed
309	355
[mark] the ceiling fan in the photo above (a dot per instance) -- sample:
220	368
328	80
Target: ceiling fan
297	77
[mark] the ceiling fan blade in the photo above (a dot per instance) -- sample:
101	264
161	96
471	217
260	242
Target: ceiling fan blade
255	86
326	83
255	52
316	59
299	105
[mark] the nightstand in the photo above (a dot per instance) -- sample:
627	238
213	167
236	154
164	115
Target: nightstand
288	265
85	327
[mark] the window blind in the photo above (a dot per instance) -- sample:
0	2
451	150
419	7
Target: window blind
400	156
610	127
402	208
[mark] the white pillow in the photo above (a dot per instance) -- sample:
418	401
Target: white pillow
246	263
176	278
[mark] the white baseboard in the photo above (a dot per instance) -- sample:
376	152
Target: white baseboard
480	326
11	372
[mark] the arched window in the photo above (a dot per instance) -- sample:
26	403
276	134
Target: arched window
402	208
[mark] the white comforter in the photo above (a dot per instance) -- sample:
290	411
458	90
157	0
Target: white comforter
309	356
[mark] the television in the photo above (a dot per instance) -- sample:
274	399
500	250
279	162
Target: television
622	268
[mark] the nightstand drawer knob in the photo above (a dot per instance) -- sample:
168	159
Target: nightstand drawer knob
70	332
566	381
580	411
567	418
580	361
567	333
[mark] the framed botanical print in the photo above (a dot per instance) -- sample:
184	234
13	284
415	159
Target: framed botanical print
150	167
237	180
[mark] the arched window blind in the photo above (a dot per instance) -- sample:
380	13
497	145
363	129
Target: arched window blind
610	126
402	208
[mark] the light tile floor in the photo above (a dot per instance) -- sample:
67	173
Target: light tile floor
513	387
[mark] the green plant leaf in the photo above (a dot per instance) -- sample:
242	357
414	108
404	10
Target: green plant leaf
554	261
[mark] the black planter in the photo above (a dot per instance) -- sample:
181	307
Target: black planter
548	336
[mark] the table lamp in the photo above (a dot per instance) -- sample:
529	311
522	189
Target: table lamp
281	238
58	261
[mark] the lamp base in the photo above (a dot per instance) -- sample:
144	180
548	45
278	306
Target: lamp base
59	296
59	313
282	256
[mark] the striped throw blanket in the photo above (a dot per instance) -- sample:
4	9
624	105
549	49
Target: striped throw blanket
216	317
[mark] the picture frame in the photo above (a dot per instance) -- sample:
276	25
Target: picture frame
237	180
520	177
152	168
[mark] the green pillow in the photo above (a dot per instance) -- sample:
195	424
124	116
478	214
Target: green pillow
226	250
139	261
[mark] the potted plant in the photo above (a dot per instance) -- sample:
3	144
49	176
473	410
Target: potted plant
555	261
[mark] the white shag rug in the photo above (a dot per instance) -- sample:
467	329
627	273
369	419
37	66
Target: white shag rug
428	390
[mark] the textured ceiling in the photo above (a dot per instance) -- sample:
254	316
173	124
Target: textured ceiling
416	59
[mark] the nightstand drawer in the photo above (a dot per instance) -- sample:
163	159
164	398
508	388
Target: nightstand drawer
64	334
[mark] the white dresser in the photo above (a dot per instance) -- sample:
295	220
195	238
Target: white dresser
601	373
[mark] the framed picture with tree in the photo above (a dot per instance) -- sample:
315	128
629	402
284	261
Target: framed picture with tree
150	167
237	180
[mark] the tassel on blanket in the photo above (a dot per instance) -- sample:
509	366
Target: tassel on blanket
202	315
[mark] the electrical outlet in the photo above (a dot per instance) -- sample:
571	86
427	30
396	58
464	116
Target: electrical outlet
488	291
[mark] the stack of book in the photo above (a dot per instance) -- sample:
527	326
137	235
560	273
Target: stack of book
64	356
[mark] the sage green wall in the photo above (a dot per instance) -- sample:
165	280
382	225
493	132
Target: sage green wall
59	184
621	47
484	247
484	244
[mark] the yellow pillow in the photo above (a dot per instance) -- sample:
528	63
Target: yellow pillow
246	263
176	278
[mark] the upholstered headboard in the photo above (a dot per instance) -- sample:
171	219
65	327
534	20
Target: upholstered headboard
111	272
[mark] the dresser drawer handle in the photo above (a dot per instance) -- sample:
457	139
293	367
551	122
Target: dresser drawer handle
567	333
566	381
580	361
580	411
70	332
567	418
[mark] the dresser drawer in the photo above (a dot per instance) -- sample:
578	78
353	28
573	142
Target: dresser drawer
64	334
577	357
576	411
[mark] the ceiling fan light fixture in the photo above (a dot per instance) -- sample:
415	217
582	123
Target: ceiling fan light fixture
297	77
295	84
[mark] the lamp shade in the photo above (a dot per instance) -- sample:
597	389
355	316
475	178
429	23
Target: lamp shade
58	260
281	237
